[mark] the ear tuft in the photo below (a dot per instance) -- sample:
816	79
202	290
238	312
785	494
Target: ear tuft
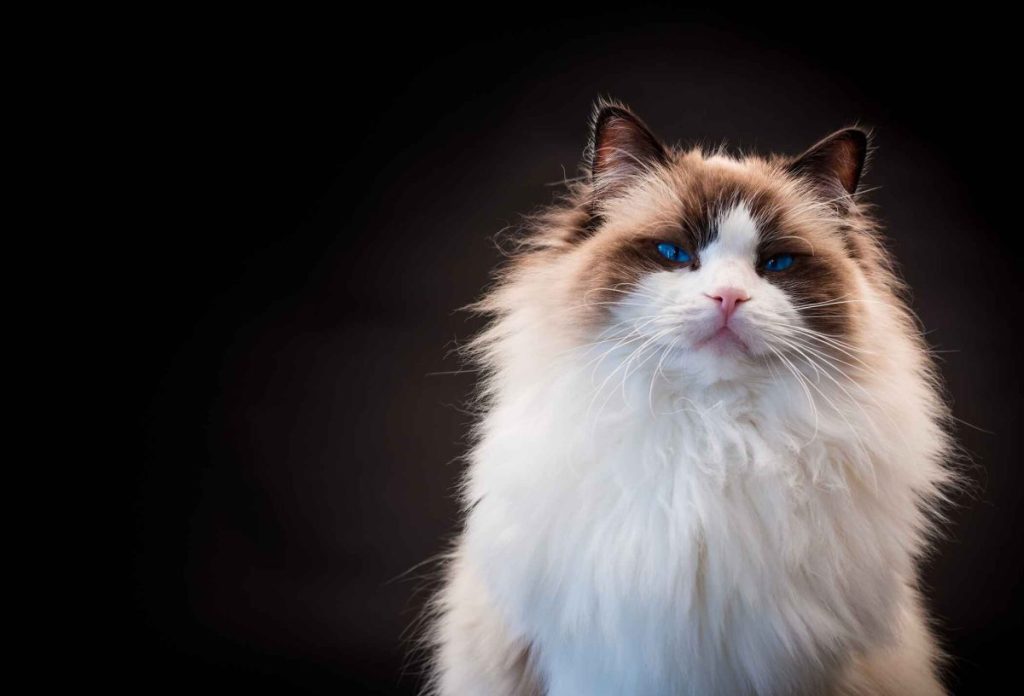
621	146
836	161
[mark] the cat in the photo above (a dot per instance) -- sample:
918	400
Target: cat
712	446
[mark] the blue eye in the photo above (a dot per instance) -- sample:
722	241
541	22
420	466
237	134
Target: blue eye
779	262
673	253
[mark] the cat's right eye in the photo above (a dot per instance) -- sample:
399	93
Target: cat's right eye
673	253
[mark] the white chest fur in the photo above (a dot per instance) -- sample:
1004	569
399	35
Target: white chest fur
735	543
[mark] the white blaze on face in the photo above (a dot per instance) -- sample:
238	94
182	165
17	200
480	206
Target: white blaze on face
729	260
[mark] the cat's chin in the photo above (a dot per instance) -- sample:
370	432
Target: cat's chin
722	360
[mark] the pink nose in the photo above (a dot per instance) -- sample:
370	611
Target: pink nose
729	298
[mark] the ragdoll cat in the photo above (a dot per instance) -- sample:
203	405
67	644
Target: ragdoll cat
711	444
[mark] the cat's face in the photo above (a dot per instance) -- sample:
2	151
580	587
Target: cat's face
715	266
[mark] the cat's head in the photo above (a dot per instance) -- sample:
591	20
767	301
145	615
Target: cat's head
707	263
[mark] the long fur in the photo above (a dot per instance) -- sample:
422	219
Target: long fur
647	517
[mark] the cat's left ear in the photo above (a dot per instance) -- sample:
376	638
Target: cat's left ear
836	163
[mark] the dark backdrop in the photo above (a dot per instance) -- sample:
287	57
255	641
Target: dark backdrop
325	197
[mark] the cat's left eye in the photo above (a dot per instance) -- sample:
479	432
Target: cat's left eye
779	262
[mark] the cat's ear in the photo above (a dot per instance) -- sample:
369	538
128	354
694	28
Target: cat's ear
835	164
621	147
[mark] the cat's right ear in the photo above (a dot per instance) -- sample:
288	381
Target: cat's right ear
621	148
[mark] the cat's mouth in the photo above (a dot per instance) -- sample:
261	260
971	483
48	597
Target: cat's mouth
723	340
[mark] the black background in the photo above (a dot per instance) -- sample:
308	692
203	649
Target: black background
322	195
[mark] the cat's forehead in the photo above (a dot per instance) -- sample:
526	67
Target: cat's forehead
736	232
702	197
697	198
722	161
720	180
